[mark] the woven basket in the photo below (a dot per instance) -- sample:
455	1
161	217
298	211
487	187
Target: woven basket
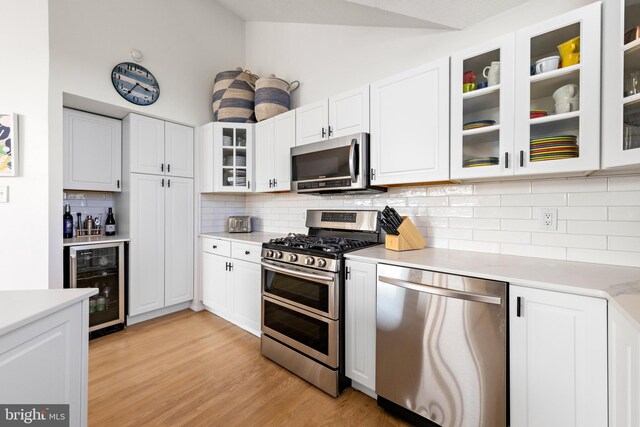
233	96
273	96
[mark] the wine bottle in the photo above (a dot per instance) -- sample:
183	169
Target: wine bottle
68	222
110	224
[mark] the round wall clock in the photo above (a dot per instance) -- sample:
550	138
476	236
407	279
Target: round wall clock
135	83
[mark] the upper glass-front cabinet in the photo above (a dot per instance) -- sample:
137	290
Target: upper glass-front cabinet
482	121
558	94
233	157
621	84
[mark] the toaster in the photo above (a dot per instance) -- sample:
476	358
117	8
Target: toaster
239	224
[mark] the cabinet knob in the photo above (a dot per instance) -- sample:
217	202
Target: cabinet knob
247	252
270	183
214	247
330	131
323	132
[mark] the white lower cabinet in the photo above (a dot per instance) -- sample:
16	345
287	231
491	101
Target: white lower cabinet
360	324
558	359
624	370
231	286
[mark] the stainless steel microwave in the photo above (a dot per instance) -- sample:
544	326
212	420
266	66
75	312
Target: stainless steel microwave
339	165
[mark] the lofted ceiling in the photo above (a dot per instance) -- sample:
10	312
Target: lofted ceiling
433	14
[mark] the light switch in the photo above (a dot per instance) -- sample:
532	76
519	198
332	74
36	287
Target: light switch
4	194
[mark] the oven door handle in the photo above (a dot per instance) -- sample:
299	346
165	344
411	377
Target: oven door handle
300	274
352	159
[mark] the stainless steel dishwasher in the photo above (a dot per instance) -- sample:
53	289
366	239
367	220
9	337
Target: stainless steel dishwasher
441	348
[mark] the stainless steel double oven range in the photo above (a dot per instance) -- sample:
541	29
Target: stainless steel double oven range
303	294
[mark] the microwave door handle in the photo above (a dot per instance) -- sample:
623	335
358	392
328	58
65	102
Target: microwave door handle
300	274
352	159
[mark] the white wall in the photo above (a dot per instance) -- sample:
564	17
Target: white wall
329	59
24	78
185	43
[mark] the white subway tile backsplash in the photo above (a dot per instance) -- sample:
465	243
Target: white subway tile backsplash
474	201
549	200
624	213
502	212
569	240
622	198
511	187
502	236
533	251
630	259
598	217
624	183
569	185
624	243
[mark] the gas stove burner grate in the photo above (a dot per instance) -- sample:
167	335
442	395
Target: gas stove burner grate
319	243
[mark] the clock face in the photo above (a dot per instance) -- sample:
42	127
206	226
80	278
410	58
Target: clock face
135	83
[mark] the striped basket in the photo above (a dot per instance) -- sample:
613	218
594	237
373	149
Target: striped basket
233	96
273	96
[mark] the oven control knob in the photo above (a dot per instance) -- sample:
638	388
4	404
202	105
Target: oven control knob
277	254
321	262
309	260
269	253
293	257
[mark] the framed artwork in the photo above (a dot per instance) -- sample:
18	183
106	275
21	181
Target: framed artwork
8	144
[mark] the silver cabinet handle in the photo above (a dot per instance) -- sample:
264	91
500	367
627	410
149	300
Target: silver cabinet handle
434	290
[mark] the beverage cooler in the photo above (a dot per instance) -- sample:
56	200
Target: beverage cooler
100	266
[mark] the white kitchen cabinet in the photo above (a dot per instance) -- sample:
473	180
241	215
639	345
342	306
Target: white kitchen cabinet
205	158
273	141
178	241
360	323
147	245
233	157
624	369
178	150
216	285
160	223
92	151
620	104
231	284
492	103
535	92
159	147
45	361
410	126
558	359
340	115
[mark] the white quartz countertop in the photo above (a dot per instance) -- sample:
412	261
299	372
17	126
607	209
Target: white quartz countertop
620	285
77	241
255	237
19	308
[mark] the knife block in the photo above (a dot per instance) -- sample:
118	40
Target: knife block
409	238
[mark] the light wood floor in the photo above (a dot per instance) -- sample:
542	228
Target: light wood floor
195	369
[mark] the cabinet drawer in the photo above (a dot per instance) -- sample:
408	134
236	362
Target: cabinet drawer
246	252
216	246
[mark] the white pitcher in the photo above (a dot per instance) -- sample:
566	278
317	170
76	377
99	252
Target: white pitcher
492	73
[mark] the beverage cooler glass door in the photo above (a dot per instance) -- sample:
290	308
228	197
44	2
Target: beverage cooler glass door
102	267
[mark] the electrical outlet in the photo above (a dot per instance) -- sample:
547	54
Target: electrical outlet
4	194
549	219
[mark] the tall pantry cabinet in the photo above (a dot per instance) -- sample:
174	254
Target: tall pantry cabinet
156	210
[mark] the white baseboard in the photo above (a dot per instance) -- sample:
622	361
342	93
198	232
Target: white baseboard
132	320
196	306
366	390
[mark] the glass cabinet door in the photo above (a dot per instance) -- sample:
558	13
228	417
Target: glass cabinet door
100	268
234	158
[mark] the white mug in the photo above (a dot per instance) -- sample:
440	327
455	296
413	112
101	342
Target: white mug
492	73
567	105
566	92
549	63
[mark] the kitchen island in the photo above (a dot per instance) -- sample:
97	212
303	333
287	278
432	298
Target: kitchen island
44	349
